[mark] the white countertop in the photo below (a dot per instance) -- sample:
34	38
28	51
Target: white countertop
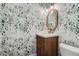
45	34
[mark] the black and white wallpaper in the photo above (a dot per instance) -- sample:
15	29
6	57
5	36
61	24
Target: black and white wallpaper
69	24
19	22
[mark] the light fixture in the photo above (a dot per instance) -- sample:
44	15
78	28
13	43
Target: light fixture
43	11
51	7
47	10
52	12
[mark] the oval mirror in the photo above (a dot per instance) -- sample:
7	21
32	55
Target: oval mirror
52	20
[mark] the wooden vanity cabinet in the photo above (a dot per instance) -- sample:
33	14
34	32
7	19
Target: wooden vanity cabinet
47	46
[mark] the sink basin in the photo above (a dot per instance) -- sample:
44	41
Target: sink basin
46	34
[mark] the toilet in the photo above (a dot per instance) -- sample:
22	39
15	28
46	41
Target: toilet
67	50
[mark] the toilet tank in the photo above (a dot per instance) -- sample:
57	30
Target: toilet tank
67	50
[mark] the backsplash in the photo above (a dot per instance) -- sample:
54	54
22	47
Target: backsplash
19	22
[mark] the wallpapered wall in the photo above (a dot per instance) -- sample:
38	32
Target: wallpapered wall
19	22
69	24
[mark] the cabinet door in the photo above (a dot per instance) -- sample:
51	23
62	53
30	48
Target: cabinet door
47	46
40	46
51	46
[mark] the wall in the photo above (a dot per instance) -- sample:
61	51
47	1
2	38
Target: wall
69	24
19	22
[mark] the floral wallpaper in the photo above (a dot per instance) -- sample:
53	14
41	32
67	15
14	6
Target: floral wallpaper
19	22
69	24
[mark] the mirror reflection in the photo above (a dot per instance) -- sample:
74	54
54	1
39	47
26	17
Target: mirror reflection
52	20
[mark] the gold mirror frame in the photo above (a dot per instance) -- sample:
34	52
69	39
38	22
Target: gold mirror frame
56	22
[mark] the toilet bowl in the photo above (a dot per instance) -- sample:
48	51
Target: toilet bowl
67	50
